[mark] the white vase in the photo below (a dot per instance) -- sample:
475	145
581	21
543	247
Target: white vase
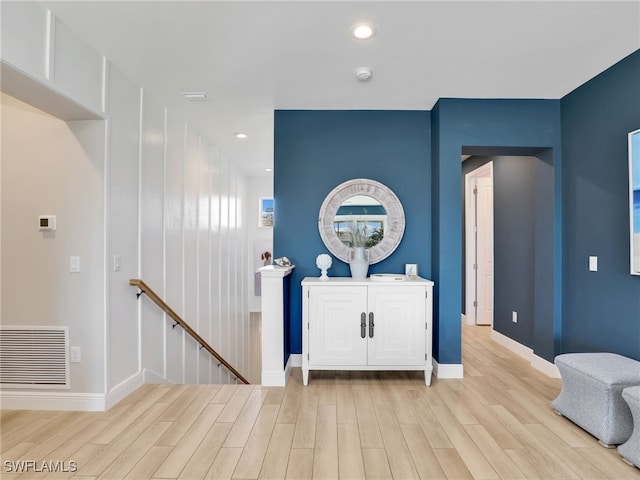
359	263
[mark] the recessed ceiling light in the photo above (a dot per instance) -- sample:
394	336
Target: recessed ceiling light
363	31
195	96
268	169
241	135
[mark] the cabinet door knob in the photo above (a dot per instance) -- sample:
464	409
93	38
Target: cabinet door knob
371	325
363	325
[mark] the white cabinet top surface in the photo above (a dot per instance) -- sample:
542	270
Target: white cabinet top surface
316	281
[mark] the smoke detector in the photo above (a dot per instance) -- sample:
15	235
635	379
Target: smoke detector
364	74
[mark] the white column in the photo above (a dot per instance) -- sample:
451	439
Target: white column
274	373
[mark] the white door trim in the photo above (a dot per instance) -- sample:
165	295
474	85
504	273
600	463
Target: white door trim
470	240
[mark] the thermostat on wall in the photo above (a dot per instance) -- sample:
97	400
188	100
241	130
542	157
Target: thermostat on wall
46	222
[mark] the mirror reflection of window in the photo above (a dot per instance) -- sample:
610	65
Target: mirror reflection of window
359	222
373	213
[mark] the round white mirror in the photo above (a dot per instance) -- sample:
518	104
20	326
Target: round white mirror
361	212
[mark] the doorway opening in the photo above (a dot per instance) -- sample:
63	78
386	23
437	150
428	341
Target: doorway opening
513	291
478	231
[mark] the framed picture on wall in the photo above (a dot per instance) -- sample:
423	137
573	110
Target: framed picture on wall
266	214
634	199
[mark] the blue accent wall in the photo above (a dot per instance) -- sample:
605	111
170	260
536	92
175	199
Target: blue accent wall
494	127
602	309
580	203
314	151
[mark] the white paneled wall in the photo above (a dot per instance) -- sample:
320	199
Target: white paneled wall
35	43
24	37
140	184
153	240
76	68
194	240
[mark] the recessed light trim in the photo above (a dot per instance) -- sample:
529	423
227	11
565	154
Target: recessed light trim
241	135
363	31
268	169
195	96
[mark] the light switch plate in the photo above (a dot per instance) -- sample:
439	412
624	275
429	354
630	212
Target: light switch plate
76	355
593	263
74	264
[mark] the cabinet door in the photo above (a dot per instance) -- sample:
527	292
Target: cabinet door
334	325
399	325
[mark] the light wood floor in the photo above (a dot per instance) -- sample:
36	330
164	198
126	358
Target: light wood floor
496	423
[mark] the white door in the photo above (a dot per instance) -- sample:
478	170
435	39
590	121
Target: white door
484	251
335	334
479	246
398	333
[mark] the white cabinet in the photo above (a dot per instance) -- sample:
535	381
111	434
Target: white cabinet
366	325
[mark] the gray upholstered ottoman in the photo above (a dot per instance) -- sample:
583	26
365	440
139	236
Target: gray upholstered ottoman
591	394
630	450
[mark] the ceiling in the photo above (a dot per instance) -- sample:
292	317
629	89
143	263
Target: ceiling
253	57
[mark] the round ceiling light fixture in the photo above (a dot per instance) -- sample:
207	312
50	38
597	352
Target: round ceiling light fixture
363	31
364	74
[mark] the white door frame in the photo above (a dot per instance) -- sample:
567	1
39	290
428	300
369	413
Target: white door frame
485	170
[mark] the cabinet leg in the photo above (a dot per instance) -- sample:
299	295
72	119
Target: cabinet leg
427	378
305	376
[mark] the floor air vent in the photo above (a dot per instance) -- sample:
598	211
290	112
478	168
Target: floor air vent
34	357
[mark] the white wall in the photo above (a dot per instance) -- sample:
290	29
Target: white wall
141	184
123	126
257	188
53	167
193	237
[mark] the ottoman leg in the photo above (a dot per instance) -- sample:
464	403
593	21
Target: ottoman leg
606	445
628	462
630	450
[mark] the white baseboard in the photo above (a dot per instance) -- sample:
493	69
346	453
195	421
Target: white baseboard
525	352
295	359
545	366
68	401
467	320
278	378
448	370
65	401
123	389
511	344
149	376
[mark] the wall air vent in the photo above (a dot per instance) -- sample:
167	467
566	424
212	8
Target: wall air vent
34	357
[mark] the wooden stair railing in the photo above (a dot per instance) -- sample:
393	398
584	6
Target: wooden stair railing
144	288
